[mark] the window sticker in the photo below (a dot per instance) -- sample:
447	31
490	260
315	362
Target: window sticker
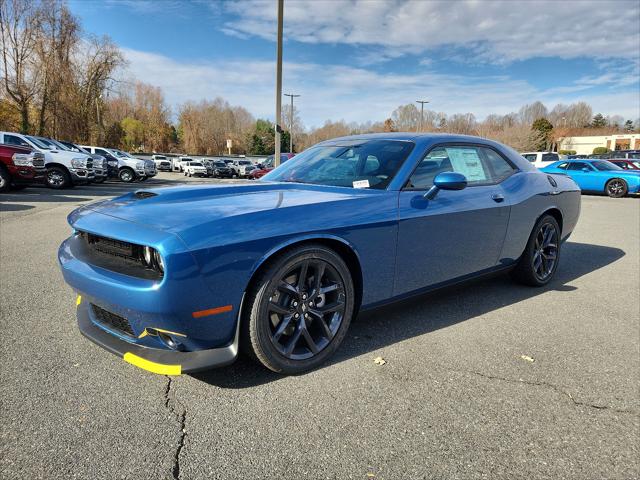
467	162
361	184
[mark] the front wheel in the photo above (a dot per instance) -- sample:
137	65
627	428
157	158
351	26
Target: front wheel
126	175
616	188
58	177
539	261
299	309
5	180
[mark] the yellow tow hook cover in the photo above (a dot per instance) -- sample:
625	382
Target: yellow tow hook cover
159	368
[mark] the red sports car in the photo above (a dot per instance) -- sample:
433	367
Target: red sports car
267	165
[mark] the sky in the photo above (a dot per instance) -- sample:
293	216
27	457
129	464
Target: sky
357	60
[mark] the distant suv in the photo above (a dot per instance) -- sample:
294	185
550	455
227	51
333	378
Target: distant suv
242	168
221	169
20	166
64	168
541	159
161	162
626	164
194	169
267	165
182	161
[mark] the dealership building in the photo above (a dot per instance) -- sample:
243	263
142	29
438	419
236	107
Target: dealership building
585	145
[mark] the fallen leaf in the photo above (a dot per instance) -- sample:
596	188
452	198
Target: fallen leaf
379	361
371	475
527	358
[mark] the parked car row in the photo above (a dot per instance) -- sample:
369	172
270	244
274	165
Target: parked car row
29	159
217	168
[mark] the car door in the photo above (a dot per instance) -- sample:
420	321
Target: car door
457	233
585	176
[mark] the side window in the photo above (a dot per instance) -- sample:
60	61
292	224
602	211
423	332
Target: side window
481	166
13	140
530	156
550	157
102	152
578	166
563	165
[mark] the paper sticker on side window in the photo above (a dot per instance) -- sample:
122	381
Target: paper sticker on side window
467	162
361	184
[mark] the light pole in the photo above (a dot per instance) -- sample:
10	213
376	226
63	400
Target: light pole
278	131
291	95
421	102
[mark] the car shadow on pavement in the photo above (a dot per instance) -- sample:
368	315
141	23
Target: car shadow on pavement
429	312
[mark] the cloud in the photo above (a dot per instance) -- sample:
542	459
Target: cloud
490	31
355	93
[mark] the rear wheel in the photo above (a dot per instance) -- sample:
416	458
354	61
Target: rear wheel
126	175
616	188
5	180
58	177
539	262
299	310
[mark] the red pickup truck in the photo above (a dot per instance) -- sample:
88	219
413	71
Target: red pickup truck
20	167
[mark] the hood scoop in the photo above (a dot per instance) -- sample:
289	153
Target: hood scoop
141	194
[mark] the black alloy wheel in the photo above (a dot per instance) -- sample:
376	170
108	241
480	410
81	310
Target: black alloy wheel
299	310
539	261
616	188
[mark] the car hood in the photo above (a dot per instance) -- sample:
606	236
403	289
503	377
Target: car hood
176	209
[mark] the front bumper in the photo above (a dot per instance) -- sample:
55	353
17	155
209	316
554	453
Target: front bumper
27	175
163	362
81	175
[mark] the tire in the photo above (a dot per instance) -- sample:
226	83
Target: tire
539	261
126	175
281	321
58	178
616	188
5	180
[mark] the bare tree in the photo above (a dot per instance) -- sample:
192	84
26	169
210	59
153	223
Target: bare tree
19	33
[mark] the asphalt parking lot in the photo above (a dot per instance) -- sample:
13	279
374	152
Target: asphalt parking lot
490	380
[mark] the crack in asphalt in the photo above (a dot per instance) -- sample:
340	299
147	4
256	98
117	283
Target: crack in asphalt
553	387
179	411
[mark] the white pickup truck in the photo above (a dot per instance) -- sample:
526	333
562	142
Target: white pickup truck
64	168
129	168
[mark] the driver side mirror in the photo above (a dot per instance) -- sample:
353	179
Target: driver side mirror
446	181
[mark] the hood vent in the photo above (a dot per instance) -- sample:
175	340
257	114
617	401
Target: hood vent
141	194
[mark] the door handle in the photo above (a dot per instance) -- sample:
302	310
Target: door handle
497	197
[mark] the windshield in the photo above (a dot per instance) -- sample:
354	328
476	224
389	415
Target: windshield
60	145
195	164
363	164
636	163
603	165
39	143
220	164
244	162
160	157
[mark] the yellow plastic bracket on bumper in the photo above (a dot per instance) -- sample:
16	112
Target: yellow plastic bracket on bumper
150	366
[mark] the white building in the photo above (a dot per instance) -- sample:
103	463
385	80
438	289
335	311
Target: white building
585	145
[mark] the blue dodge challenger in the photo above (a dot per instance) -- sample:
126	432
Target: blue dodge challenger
599	176
180	279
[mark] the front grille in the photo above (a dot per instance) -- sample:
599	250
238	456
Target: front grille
116	255
113	247
111	320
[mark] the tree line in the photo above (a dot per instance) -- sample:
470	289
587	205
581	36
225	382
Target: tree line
58	80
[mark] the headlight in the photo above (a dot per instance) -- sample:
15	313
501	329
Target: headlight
158	260
113	163
148	256
140	165
22	160
78	163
